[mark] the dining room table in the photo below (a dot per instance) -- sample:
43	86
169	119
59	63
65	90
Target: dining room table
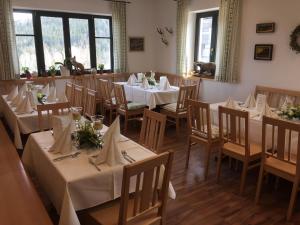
74	183
152	96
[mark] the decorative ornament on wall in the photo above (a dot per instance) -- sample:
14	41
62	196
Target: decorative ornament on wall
295	40
162	32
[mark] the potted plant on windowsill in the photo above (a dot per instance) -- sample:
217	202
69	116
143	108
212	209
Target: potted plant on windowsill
26	73
101	68
52	71
65	67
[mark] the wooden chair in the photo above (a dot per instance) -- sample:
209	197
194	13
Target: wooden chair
147	205
153	130
234	135
193	81
201	131
69	91
49	110
109	103
277	156
89	103
178	110
78	96
130	110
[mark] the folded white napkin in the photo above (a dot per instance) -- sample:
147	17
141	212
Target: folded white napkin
32	99
152	76
52	95
267	111
59	123
132	80
25	105
261	101
145	83
62	97
12	94
250	101
164	83
19	98
140	77
63	144
46	90
111	153
230	103
288	101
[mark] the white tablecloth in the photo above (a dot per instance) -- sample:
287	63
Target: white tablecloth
74	184
152	96
26	123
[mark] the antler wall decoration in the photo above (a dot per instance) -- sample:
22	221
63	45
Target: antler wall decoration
162	32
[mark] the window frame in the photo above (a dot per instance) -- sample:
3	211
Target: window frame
215	15
37	30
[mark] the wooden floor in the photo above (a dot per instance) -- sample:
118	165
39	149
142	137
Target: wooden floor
202	202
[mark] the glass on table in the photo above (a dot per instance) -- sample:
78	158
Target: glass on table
97	123
76	115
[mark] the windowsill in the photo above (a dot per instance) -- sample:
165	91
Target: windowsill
205	77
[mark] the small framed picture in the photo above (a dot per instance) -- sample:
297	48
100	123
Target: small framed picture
265	28
263	52
136	44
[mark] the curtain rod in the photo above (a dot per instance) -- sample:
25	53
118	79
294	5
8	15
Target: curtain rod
126	2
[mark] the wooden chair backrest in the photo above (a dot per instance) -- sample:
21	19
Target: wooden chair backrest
89	103
120	96
149	195
193	81
105	91
276	96
185	93
89	81
233	127
69	91
153	130
49	110
78	96
279	138
199	121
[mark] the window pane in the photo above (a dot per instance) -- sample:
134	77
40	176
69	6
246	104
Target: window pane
80	45
53	40
26	52
103	52
23	23
205	39
102	28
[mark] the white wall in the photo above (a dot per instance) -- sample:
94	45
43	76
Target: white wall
282	72
140	16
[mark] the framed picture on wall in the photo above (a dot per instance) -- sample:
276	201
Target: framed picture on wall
136	44
265	28
263	52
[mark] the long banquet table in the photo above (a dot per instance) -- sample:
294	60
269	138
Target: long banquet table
152	96
73	183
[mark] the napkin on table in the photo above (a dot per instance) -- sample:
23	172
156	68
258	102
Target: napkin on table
52	95
250	101
140	77
152	76
267	111
145	84
132	80
59	123
12	94
46	90
261	101
19	98
164	83
63	144
25	105
62	98
111	153
230	103
288	101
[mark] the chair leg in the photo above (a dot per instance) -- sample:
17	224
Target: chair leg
208	150
188	153
292	200
230	162
219	165
243	178
110	115
126	124
259	184
177	127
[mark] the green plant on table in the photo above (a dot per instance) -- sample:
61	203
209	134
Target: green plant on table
290	112
86	137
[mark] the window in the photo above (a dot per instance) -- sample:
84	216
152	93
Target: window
25	40
44	38
206	36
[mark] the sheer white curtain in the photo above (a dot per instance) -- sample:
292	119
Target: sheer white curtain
8	54
119	36
182	23
228	41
